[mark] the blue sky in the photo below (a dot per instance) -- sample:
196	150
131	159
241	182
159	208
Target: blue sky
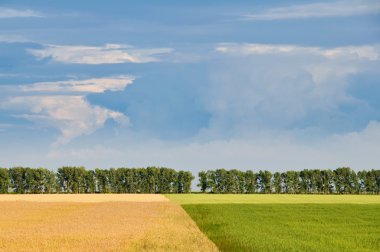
199	85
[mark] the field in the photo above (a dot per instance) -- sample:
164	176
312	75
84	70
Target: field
205	222
287	222
97	223
272	199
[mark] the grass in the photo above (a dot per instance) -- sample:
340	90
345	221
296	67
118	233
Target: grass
287	222
97	223
289	227
272	199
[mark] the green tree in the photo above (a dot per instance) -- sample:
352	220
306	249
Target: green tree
18	179
203	181
277	182
4	180
362	181
345	180
250	181
212	181
152	179
90	181
102	180
377	180
264	181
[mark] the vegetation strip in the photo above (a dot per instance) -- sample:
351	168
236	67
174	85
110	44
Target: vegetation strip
294	227
79	180
165	180
272	199
340	181
283	222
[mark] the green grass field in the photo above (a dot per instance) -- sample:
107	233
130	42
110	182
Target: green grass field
272	199
287	222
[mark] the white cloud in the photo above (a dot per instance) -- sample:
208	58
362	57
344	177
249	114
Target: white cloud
17	13
108	54
318	10
259	87
364	52
73	116
367	52
95	85
279	152
62	105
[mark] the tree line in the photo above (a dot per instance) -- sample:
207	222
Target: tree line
339	181
165	180
23	180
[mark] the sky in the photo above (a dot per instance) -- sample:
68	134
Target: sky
191	85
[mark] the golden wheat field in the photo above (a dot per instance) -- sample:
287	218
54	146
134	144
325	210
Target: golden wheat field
97	223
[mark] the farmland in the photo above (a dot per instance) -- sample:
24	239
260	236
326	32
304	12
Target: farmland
189	222
272	199
287	222
97	223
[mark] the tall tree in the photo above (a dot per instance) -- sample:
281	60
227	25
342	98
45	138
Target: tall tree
203	181
345	180
377	180
102	180
277	182
250	181
264	181
4	180
18	179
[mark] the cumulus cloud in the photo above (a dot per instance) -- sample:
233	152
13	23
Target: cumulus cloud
17	13
73	116
261	87
318	10
108	54
62	105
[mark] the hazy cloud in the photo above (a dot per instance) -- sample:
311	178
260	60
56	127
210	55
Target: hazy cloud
281	151
318	10
13	39
260	87
108	54
17	13
95	85
368	52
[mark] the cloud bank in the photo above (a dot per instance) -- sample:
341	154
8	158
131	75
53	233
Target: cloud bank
263	87
367	52
318	10
17	13
277	153
95	85
93	55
